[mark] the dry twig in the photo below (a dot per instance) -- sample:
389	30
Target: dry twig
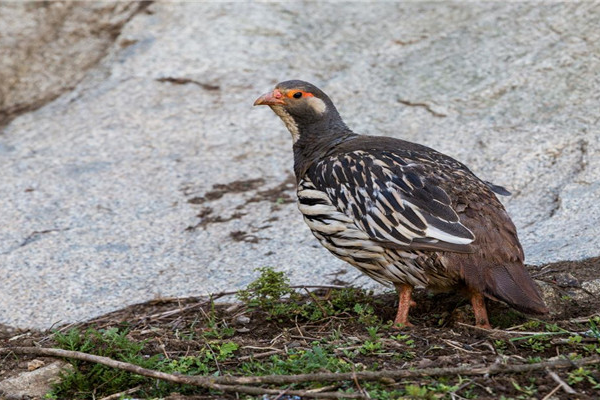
551	393
564	385
118	395
233	383
260	355
504	333
409	373
201	381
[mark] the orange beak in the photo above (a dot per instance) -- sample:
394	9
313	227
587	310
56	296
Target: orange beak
275	98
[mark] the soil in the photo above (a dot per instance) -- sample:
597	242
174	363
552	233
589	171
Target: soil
443	336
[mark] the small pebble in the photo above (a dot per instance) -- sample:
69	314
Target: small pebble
565	279
445	360
424	363
35	364
233	308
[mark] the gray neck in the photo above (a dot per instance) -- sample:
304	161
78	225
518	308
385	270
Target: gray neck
318	138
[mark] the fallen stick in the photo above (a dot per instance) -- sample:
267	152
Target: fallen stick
239	384
492	369
201	381
564	385
116	396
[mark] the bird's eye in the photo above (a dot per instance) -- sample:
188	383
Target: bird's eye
297	95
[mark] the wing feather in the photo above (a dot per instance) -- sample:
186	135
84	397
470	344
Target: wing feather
392	200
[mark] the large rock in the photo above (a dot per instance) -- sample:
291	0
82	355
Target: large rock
154	176
47	47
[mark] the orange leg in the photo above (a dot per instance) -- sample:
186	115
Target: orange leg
404	305
481	317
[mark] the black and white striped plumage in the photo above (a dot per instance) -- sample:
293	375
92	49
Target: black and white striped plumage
400	212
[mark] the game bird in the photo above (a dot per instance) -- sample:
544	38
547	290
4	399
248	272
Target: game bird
400	212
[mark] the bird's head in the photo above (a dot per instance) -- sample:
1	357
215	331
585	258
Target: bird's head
302	106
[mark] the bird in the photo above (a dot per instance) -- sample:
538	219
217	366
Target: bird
402	213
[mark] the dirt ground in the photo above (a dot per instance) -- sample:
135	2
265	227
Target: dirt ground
442	337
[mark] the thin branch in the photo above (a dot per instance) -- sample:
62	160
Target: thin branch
504	333
584	319
218	382
302	337
118	395
409	373
565	386
454	344
260	355
201	381
318	287
551	393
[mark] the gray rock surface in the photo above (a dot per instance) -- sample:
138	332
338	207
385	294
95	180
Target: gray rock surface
32	384
152	175
47	47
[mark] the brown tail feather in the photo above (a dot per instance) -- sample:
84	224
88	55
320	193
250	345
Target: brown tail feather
509	283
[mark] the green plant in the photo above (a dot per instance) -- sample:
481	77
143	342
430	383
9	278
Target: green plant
554	328
271	293
442	388
469	392
580	375
370	347
531	324
366	314
406	339
267	293
188	365
537	344
318	358
381	392
500	346
406	355
215	328
592	348
594	330
205	362
345	299
418	392
528	390
227	349
372	331
89	380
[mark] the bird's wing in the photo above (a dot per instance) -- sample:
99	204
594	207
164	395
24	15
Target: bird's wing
501	190
393	200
